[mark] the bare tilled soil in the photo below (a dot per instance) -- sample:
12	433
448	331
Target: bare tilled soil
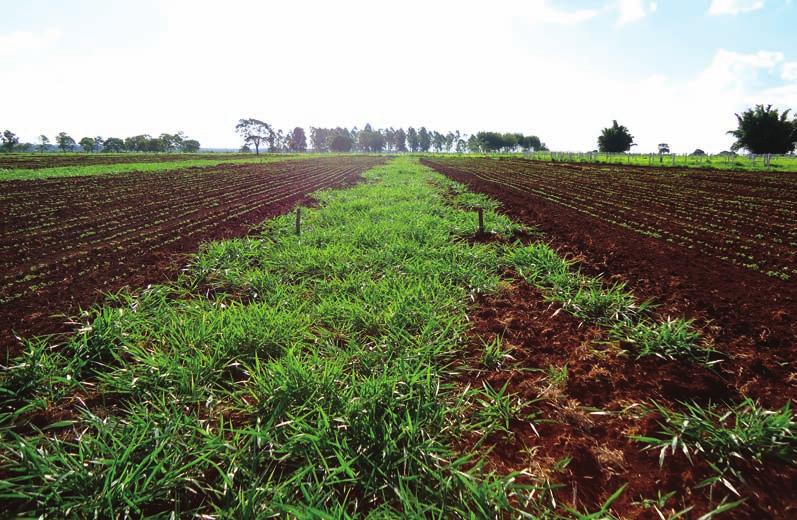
591	416
64	242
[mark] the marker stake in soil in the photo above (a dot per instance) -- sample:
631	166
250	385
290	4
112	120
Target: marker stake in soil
480	211
298	221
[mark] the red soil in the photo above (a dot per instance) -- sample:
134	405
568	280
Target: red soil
66	242
53	160
748	315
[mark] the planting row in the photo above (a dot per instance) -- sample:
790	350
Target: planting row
52	160
746	219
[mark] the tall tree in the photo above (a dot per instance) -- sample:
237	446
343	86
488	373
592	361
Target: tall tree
189	146
764	130
451	138
137	143
615	139
170	142
341	140
64	141
369	140
438	141
320	138
255	132
412	139
400	140
9	141
474	146
424	139
113	144
88	144
276	143
490	141
44	142
298	141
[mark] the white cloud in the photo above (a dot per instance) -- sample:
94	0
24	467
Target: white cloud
789	71
634	10
734	7
20	42
737	71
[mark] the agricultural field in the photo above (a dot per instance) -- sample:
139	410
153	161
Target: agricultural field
746	219
392	360
63	240
145	166
749	162
34	161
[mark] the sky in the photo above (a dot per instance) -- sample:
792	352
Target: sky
672	71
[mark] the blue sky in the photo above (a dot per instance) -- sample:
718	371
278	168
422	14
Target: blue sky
671	70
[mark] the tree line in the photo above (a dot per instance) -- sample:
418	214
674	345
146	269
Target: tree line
760	130
259	135
164	143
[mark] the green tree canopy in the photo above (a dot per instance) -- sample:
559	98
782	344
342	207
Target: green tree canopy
424	139
297	141
190	146
88	144
764	130
255	132
412	139
615	139
400	140
341	142
113	144
64	141
9	140
44	142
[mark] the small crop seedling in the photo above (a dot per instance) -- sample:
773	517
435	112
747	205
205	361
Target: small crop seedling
726	437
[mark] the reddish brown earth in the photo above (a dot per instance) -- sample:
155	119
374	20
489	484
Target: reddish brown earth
591	416
748	315
53	160
65	242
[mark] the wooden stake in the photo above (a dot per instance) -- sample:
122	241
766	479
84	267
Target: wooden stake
481	220
298	221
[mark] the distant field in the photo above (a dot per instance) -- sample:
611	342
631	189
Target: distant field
782	163
146	163
31	161
743	218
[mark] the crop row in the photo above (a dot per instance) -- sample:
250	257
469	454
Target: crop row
725	215
51	160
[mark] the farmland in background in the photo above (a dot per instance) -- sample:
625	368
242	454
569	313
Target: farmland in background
747	219
34	161
63	240
783	163
147	166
